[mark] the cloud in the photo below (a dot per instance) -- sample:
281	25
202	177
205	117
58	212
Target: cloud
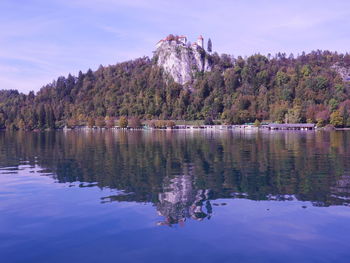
45	39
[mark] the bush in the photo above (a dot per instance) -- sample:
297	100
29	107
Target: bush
123	122
257	123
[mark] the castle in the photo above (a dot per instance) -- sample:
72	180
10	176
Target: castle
180	59
181	40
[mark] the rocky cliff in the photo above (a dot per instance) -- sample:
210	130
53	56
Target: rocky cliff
182	61
343	71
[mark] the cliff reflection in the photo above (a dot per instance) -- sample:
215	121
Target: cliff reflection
181	200
181	173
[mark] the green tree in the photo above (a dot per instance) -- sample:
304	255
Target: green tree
293	115
256	87
306	70
2	121
41	117
333	103
209	46
49	118
336	119
257	123
278	111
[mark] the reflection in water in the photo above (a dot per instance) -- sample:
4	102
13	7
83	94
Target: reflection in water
181	173
182	200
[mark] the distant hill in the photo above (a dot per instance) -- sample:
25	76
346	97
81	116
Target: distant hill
307	88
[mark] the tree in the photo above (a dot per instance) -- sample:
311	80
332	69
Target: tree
49	118
257	123
100	122
91	122
209	46
161	124
333	104
110	122
30	125
123	122
72	123
42	117
336	119
237	90
278	111
293	115
322	118
21	125
170	124
135	122
208	121
344	110
2	121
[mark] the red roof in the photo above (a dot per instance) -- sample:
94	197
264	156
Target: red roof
169	37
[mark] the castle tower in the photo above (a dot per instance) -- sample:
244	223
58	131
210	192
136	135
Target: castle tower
183	39
200	41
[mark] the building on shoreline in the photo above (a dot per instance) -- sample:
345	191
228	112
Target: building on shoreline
290	126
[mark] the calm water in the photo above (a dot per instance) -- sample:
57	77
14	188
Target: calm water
114	196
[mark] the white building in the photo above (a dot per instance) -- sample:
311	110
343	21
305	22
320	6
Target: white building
200	41
177	39
181	40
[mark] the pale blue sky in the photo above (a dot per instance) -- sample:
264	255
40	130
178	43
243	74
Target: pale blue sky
43	39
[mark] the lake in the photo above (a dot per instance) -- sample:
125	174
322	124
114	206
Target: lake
175	196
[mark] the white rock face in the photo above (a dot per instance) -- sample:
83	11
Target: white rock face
342	71
180	61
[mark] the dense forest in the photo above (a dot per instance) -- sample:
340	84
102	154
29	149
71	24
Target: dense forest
279	88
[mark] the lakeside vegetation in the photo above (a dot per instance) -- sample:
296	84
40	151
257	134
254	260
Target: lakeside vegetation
283	89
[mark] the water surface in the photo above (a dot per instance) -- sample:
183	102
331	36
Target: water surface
162	196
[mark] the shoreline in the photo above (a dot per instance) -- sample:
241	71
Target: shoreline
188	128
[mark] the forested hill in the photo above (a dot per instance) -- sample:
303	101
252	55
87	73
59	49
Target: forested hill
308	88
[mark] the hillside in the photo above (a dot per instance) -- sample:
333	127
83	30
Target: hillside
306	88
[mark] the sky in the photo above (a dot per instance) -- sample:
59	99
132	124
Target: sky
41	40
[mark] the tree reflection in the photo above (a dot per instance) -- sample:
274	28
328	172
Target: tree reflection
182	172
